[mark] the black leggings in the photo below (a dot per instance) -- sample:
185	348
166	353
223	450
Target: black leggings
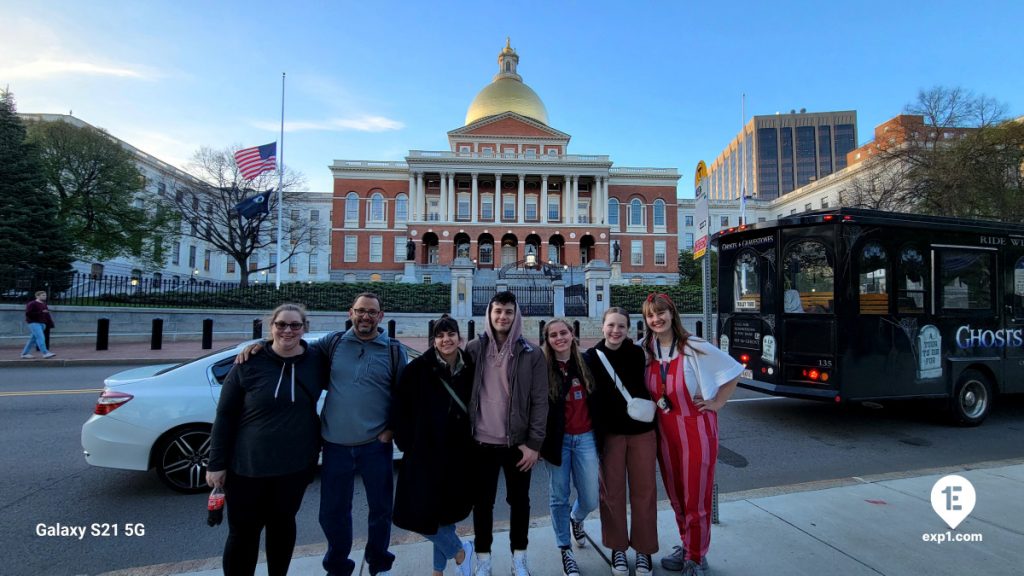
255	503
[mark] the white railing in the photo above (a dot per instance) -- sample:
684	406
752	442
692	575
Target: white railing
507	156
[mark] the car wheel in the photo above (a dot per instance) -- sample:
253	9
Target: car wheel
181	457
972	399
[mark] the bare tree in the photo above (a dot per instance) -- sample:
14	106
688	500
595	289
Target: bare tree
955	156
208	212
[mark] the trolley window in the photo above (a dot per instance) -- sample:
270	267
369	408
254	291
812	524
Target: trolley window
1018	288
872	282
911	272
747	285
809	283
965	279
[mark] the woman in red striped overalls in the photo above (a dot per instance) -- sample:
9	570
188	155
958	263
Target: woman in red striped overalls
691	380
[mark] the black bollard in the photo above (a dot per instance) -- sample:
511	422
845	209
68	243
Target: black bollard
207	333
540	331
700	329
156	337
46	337
576	328
471	330
102	333
348	325
391	328
639	330
257	329
430	329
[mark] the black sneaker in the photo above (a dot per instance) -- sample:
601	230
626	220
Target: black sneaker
620	566
676	560
579	535
644	566
569	567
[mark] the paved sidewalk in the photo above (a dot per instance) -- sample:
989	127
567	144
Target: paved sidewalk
862	526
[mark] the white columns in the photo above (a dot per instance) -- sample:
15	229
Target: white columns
412	198
475	200
521	202
452	197
499	206
421	197
544	199
575	199
444	197
598	204
566	193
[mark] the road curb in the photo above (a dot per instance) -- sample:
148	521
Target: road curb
57	363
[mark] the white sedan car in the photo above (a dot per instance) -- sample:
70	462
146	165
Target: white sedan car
161	416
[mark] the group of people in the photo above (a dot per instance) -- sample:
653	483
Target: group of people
463	413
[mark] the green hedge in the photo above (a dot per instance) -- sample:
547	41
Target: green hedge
688	299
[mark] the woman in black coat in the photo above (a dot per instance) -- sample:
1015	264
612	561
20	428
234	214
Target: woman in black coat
432	429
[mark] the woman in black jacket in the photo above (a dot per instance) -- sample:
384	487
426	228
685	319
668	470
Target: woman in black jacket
432	429
265	443
629	448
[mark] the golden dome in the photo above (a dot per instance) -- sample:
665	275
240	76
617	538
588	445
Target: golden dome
507	93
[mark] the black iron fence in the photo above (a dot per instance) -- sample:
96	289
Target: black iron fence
576	301
75	289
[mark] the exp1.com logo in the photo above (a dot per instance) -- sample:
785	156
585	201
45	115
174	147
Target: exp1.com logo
953	499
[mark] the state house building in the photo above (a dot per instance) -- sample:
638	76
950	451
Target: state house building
508	195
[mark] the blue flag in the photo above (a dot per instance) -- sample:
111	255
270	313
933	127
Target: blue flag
254	205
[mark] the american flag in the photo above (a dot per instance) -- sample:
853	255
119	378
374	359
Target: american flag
256	160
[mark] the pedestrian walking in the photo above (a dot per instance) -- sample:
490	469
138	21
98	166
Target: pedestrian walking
508	411
37	316
265	442
432	429
570	447
629	446
691	380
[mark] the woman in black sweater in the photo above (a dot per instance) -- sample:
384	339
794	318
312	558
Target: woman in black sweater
629	448
432	428
265	442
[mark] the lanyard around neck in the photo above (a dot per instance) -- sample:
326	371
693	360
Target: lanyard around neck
663	366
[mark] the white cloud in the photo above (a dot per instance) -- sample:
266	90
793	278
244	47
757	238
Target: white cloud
48	68
366	123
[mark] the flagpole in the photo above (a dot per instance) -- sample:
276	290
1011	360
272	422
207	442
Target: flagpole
743	159
280	193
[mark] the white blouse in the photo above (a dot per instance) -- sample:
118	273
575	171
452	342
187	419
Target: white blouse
716	368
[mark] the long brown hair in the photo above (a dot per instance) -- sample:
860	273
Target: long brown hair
554	374
656	304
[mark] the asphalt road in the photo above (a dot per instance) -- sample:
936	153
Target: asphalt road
766	442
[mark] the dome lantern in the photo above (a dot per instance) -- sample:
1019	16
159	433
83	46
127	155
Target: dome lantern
507	92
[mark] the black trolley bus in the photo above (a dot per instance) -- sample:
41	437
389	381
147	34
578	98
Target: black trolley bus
850	305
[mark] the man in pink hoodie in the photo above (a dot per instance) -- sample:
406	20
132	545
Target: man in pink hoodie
508	412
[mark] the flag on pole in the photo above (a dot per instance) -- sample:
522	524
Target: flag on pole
256	160
255	205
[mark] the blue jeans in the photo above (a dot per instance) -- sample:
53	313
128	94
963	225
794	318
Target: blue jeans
446	545
580	463
337	484
36	338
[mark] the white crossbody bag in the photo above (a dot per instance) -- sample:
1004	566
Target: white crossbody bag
639	409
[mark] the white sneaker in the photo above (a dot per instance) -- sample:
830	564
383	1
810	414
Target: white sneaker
483	564
49	355
519	567
466	568
27	356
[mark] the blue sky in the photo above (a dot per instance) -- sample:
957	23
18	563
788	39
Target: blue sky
649	83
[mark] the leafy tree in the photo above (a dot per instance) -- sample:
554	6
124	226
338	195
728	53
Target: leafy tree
208	212
32	240
96	182
690	269
955	156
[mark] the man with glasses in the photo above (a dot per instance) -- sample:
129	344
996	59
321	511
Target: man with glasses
356	429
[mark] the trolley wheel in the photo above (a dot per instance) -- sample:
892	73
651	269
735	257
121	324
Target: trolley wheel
972	399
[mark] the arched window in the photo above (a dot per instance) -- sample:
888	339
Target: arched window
376	208
613	212
746	282
911	272
352	207
636	212
401	208
872	283
659	213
